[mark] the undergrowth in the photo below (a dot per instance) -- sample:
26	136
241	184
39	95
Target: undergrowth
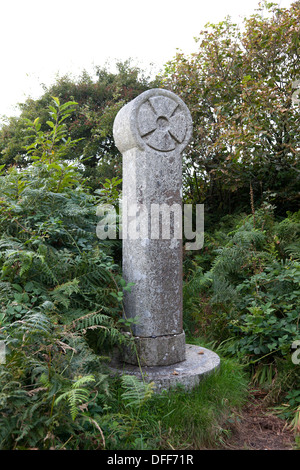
247	298
61	310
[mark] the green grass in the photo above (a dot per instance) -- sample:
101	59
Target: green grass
186	420
196	419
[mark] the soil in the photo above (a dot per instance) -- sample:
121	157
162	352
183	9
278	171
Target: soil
256	428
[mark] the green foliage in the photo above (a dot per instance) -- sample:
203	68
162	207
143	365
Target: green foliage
136	392
61	291
290	410
43	365
197	419
238	86
143	420
99	98
251	291
50	255
56	278
76	395
109	193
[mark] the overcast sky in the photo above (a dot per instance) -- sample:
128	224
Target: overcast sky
40	39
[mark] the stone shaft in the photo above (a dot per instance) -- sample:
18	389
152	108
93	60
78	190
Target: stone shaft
151	132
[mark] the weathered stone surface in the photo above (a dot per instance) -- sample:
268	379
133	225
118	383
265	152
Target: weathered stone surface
161	351
151	132
157	119
199	362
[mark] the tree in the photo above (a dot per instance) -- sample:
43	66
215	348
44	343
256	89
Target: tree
99	99
238	87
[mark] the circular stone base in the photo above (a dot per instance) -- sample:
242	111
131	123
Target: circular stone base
198	363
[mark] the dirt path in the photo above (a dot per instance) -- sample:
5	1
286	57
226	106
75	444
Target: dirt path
255	428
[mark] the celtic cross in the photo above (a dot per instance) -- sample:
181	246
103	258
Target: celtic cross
151	132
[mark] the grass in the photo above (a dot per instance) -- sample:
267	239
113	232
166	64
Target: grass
196	419
191	420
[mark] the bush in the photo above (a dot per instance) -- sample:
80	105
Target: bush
59	300
251	292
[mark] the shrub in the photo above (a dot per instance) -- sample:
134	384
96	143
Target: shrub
60	300
252	288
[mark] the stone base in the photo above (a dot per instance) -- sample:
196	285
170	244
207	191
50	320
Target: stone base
156	351
197	364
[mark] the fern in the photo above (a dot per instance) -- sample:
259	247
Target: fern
62	293
77	395
56	277
293	250
136	392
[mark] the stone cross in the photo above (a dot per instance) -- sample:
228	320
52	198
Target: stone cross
151	132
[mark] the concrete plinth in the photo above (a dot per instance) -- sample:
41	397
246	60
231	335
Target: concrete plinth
188	373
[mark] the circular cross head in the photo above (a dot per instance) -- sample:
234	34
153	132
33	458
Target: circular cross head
162	123
157	119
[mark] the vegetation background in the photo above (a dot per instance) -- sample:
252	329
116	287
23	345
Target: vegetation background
61	288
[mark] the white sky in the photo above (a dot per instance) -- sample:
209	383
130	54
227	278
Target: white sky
40	39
